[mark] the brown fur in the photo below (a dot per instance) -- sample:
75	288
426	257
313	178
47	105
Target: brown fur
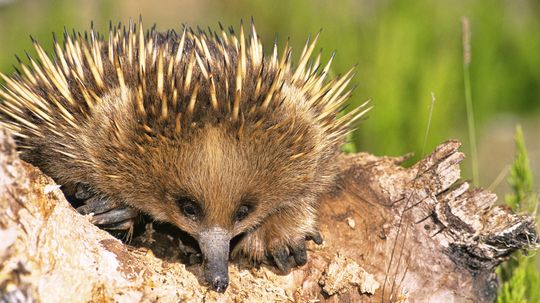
147	142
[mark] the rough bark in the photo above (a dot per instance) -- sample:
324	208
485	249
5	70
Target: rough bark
391	234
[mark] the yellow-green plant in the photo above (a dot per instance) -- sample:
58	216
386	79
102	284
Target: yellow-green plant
519	277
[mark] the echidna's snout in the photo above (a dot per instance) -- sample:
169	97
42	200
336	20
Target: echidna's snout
220	283
214	244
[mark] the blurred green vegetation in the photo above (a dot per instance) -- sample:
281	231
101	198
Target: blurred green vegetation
519	277
404	50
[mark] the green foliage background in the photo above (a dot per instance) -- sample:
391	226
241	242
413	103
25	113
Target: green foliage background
519	277
404	51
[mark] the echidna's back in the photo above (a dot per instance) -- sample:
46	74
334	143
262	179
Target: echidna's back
138	87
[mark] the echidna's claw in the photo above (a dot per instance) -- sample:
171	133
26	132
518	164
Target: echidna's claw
299	254
124	226
83	192
292	255
316	238
109	214
114	216
97	205
281	258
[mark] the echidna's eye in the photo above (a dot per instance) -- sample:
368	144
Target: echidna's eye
242	212
189	208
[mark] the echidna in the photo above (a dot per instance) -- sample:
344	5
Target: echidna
198	129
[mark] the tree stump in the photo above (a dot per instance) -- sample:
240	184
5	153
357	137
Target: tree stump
392	234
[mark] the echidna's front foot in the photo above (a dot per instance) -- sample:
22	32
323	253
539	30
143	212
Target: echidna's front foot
281	239
292	255
107	214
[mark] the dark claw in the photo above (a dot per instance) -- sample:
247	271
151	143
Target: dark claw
114	216
83	192
299	254
124	229
120	226
297	251
97	205
316	238
109	214
281	257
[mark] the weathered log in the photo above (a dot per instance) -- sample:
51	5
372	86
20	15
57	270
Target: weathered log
391	234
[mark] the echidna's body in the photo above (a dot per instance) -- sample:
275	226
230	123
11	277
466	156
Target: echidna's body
197	130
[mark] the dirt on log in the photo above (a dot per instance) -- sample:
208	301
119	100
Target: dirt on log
392	234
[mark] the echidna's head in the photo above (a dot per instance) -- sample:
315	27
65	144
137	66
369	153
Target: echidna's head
201	130
219	185
219	179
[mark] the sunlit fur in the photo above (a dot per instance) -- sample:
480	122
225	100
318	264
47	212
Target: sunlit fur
147	117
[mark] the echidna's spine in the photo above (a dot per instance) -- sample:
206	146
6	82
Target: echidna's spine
50	93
